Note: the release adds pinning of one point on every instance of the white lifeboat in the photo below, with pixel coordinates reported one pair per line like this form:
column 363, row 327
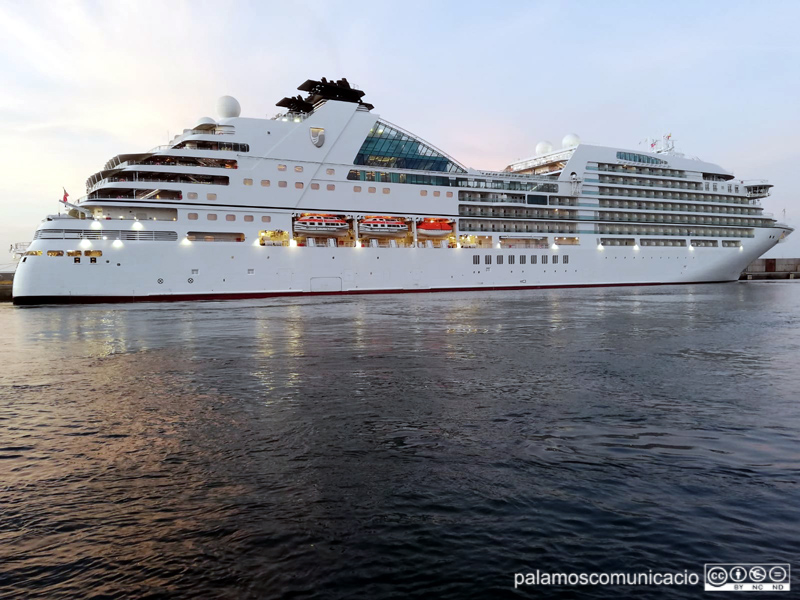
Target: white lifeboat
column 383, row 227
column 322, row 225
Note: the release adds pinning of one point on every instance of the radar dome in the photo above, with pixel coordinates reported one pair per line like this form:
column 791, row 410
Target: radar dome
column 570, row 141
column 205, row 121
column 228, row 107
column 544, row 148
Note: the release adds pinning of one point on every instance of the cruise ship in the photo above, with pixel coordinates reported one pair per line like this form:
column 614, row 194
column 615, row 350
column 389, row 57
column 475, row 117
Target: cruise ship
column 328, row 197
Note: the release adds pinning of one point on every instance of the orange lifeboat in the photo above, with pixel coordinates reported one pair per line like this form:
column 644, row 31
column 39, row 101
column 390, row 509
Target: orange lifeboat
column 321, row 225
column 436, row 228
column 383, row 226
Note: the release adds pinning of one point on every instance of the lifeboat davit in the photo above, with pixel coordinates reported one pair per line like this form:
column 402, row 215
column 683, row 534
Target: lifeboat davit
column 383, row 227
column 435, row 228
column 321, row 225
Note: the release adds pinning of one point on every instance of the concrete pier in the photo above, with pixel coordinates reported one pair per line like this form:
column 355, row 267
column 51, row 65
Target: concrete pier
column 772, row 268
column 6, row 279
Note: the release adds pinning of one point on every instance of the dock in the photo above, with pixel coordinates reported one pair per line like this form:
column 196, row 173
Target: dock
column 6, row 279
column 772, row 268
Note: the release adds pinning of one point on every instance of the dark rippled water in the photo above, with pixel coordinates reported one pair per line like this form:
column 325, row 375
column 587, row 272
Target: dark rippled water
column 415, row 446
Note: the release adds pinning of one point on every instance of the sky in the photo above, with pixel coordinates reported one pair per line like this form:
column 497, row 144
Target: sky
column 81, row 82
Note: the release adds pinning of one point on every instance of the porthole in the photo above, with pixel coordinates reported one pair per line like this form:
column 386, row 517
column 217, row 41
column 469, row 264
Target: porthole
column 160, row 281
column 191, row 279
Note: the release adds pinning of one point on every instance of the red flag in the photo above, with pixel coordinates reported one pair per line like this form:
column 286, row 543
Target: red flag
column 66, row 195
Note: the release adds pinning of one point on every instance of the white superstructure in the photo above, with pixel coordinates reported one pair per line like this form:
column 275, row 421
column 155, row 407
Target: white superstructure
column 241, row 207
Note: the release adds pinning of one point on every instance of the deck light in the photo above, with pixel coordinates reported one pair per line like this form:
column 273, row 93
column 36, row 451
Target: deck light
column 96, row 225
column 137, row 226
column 85, row 244
column 293, row 243
column 117, row 244
column 186, row 242
column 554, row 246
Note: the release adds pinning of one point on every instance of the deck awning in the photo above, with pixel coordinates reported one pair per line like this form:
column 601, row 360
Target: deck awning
column 121, row 158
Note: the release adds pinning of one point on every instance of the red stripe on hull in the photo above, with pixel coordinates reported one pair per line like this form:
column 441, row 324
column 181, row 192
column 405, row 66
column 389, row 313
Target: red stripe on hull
column 38, row 300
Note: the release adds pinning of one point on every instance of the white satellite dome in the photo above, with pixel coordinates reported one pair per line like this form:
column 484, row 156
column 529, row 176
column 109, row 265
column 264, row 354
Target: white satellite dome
column 204, row 121
column 228, row 107
column 570, row 141
column 544, row 148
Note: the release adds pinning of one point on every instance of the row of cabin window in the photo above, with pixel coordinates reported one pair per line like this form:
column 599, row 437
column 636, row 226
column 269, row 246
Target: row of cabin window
column 330, row 187
column 372, row 190
column 298, row 184
column 487, row 259
column 299, row 169
column 282, row 184
column 213, row 217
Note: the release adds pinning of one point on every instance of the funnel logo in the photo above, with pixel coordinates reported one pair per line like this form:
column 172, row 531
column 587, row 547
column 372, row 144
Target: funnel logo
column 748, row 577
column 317, row 136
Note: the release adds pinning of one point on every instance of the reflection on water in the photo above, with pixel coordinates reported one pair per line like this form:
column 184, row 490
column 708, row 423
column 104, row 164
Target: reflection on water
column 396, row 446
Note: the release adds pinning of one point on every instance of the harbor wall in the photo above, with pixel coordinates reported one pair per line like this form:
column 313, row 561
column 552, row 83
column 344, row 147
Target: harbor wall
column 6, row 279
column 773, row 268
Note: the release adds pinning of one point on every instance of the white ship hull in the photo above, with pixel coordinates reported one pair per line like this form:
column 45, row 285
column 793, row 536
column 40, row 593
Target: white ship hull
column 137, row 272
column 217, row 214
